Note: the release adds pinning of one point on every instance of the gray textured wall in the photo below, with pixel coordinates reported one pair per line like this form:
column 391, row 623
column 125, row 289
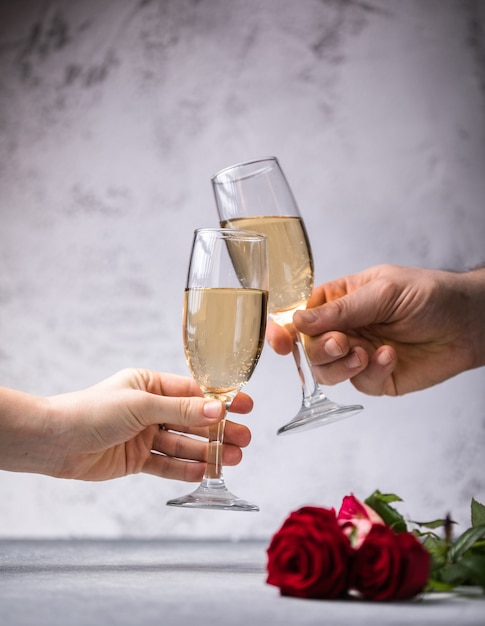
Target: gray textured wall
column 114, row 115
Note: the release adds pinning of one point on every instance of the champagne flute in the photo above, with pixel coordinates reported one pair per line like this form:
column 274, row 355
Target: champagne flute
column 256, row 196
column 224, row 324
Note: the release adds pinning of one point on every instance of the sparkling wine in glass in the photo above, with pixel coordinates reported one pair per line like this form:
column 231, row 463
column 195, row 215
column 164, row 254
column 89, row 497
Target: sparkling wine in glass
column 256, row 196
column 224, row 324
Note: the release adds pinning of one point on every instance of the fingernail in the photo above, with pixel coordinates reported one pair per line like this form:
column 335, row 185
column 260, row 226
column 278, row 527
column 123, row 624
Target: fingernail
column 212, row 409
column 332, row 348
column 353, row 360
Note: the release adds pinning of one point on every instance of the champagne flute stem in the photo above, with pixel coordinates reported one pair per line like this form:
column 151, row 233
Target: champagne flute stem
column 308, row 383
column 214, row 453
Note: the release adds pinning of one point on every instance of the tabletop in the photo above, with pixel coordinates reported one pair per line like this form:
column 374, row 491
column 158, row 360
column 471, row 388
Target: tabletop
column 91, row 582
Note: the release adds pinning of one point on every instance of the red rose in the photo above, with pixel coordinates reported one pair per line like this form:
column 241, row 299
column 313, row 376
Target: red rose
column 309, row 556
column 389, row 565
column 415, row 566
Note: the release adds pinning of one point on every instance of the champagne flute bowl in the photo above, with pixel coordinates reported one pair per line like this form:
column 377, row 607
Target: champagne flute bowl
column 224, row 324
column 256, row 196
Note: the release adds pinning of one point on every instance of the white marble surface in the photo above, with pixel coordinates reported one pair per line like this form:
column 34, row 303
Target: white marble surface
column 113, row 117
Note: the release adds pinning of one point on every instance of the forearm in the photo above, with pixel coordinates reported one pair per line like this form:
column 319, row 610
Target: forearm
column 27, row 439
column 475, row 318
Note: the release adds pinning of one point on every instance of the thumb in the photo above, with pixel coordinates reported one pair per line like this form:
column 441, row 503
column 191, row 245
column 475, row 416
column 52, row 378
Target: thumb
column 186, row 412
column 354, row 310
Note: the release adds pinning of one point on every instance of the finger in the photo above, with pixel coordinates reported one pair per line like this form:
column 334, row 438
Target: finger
column 174, row 469
column 172, row 385
column 166, row 466
column 328, row 347
column 242, row 404
column 342, row 369
column 237, row 434
column 183, row 447
column 179, row 457
column 376, row 379
column 279, row 338
column 157, row 383
column 180, row 446
column 234, row 433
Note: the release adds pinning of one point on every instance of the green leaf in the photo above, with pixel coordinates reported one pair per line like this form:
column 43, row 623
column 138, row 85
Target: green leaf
column 474, row 566
column 478, row 513
column 422, row 534
column 466, row 541
column 470, row 570
column 438, row 551
column 479, row 546
column 380, row 503
column 436, row 546
column 438, row 585
column 438, row 523
column 453, row 574
column 386, row 497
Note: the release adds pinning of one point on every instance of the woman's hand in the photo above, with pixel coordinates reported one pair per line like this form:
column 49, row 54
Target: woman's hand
column 135, row 421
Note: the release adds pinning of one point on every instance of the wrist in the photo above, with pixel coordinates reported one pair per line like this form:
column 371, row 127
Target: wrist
column 25, row 433
column 475, row 319
column 469, row 296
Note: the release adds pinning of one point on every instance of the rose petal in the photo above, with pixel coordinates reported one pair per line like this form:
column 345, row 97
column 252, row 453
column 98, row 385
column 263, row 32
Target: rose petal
column 352, row 508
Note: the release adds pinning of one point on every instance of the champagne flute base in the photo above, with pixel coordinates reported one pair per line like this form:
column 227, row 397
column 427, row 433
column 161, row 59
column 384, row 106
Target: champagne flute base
column 213, row 494
column 319, row 412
